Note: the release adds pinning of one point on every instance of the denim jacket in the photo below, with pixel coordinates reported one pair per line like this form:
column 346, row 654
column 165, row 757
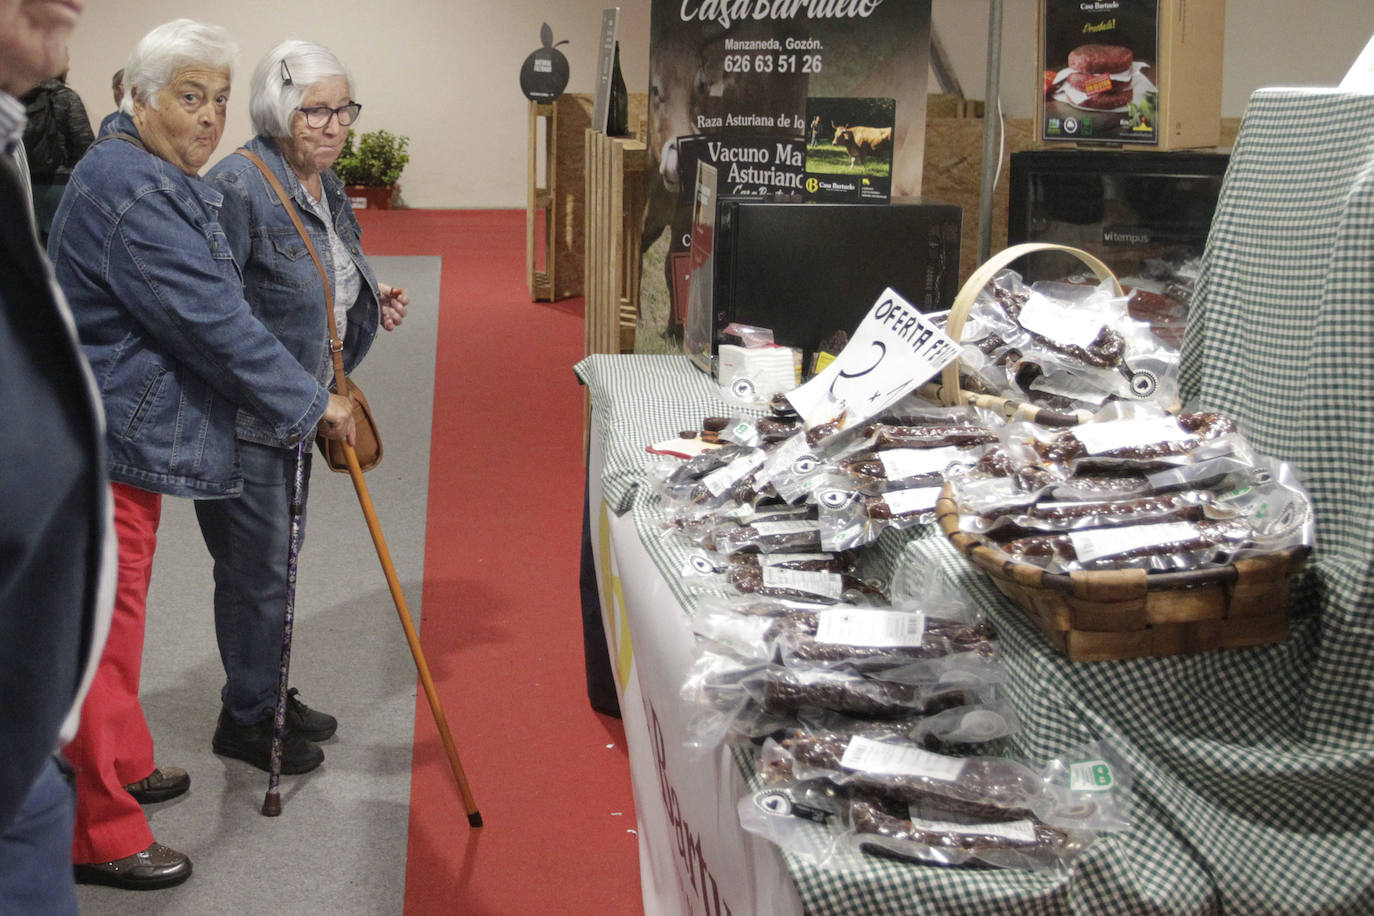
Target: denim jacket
column 158, row 301
column 280, row 279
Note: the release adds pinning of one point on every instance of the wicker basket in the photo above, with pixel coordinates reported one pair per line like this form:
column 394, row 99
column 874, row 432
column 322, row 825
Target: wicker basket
column 948, row 391
column 1127, row 613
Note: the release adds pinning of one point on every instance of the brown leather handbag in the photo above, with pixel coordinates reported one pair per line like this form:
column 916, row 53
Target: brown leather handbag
column 369, row 439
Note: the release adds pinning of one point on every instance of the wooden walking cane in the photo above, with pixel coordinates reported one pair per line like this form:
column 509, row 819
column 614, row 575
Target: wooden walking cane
column 383, row 554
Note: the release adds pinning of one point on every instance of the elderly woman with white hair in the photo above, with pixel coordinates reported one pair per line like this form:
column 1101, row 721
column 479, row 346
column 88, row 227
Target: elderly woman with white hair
column 177, row 353
column 302, row 105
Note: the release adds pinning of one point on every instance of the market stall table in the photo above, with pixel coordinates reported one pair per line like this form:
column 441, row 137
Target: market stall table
column 1205, row 784
column 1253, row 768
column 694, row 857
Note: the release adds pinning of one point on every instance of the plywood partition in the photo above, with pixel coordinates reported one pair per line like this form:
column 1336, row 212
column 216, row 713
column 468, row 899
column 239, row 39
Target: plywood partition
column 954, row 171
column 572, row 117
column 613, row 200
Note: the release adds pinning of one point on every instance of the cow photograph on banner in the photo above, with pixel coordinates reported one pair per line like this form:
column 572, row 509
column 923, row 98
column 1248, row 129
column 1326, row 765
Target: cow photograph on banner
column 787, row 99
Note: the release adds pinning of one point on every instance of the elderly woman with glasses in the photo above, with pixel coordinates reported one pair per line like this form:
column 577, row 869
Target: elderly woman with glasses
column 178, row 354
column 301, row 104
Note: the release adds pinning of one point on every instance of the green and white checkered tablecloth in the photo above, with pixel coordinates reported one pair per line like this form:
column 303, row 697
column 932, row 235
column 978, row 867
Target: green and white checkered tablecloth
column 1283, row 338
column 641, row 400
column 1254, row 768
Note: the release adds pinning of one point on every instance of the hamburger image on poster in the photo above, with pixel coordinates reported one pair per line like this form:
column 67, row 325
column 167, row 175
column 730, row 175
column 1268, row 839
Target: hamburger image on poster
column 1099, row 77
column 1099, row 61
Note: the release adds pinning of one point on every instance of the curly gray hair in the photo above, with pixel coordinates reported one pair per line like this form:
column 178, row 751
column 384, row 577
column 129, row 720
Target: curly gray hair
column 169, row 48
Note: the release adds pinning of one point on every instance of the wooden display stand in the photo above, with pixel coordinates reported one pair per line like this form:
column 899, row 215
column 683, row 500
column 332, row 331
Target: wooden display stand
column 559, row 205
column 541, row 203
column 614, row 201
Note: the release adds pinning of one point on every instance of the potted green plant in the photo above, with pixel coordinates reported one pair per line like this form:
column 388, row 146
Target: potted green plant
column 370, row 168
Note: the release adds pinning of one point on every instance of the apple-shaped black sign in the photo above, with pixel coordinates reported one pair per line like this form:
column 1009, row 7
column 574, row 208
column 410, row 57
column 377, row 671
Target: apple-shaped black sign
column 545, row 73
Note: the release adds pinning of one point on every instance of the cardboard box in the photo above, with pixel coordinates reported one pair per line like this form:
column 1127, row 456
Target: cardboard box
column 1130, row 73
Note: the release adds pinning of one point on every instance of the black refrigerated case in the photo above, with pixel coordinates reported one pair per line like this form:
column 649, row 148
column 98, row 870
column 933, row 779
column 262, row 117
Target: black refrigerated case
column 809, row 270
column 1145, row 213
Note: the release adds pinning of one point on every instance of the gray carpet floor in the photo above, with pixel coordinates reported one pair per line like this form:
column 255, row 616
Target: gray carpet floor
column 339, row 845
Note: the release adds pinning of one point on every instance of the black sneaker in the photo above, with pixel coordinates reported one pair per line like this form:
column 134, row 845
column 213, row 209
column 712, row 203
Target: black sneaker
column 253, row 743
column 311, row 723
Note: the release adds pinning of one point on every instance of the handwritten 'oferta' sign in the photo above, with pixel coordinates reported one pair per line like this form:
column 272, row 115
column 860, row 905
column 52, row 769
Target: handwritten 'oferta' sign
column 894, row 349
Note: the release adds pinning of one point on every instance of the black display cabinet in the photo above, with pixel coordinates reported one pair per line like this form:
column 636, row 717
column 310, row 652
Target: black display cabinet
column 1145, row 213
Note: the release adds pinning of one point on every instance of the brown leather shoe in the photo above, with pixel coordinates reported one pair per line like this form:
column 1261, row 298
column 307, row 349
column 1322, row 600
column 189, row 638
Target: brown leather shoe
column 157, row 866
column 160, row 785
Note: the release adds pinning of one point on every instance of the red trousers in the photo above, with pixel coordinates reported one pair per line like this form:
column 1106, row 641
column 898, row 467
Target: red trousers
column 113, row 747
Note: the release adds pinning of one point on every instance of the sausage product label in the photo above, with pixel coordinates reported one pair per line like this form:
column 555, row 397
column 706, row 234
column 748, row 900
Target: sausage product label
column 794, row 526
column 1095, row 543
column 871, row 627
column 812, row 582
column 1022, row 831
column 900, row 463
column 1113, row 434
column 781, row 559
column 1065, row 325
column 1091, row 776
column 869, row 756
column 913, row 500
column 718, row 482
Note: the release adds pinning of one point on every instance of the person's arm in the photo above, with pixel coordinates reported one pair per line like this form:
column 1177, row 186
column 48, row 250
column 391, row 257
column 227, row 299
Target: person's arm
column 234, row 219
column 233, row 213
column 189, row 299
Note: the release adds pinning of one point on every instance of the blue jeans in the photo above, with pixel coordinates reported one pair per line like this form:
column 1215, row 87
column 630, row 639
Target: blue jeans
column 36, row 849
column 248, row 538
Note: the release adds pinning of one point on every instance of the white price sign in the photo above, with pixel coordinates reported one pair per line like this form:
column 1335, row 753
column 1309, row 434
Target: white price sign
column 1360, row 77
column 894, row 349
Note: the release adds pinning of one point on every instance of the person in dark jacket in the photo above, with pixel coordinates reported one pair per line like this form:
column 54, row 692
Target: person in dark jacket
column 117, row 90
column 158, row 300
column 56, row 544
column 57, row 135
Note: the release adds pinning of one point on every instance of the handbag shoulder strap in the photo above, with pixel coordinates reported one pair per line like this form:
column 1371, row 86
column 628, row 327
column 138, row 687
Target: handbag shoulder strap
column 335, row 344
column 127, row 138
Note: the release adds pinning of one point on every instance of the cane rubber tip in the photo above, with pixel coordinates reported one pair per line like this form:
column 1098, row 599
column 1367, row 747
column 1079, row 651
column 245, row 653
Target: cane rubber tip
column 475, row 819
column 271, row 805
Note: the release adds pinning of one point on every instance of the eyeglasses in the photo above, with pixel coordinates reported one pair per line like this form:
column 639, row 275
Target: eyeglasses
column 319, row 115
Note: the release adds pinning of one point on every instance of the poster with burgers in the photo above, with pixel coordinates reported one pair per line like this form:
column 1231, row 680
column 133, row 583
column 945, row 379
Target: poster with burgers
column 1099, row 69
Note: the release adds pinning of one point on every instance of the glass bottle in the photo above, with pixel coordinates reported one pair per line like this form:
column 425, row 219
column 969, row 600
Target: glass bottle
column 618, row 110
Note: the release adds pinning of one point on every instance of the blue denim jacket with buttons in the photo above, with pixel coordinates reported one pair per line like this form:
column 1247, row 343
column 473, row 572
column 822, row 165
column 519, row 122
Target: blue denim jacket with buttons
column 280, row 279
column 158, row 300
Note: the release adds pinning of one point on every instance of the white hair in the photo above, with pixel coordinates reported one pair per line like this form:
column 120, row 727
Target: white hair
column 273, row 101
column 170, row 48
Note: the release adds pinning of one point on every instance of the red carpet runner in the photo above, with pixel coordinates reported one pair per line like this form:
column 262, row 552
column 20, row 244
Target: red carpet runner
column 501, row 624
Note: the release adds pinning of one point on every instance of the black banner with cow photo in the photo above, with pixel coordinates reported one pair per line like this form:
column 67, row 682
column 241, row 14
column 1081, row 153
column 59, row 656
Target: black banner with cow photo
column 787, row 99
